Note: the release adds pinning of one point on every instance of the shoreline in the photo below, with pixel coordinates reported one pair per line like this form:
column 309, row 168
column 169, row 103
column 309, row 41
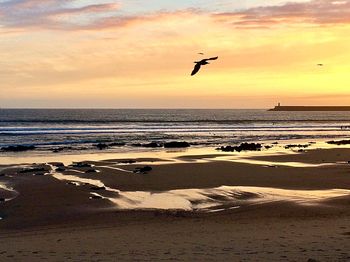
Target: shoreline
column 28, row 157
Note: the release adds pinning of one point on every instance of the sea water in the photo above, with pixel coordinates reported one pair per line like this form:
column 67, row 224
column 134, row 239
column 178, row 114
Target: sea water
column 83, row 128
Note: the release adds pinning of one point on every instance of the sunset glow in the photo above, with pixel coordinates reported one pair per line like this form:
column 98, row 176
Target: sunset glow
column 139, row 54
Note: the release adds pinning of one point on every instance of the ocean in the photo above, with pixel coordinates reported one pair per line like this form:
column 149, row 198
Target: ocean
column 84, row 128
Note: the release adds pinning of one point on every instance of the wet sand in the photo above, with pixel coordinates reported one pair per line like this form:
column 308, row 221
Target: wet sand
column 265, row 213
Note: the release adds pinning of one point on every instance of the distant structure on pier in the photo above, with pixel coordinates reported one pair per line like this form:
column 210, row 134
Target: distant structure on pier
column 309, row 108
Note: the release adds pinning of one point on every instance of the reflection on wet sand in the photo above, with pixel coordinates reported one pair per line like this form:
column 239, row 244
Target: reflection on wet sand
column 220, row 198
column 203, row 200
column 76, row 180
column 272, row 163
column 7, row 193
column 193, row 195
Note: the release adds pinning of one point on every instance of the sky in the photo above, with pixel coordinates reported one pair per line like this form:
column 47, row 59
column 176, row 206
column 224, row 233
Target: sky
column 140, row 53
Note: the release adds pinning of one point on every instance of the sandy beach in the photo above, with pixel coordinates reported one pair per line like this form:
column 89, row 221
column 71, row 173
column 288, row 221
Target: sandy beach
column 220, row 206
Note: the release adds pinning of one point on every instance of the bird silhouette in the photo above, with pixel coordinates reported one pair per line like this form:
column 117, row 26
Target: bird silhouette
column 200, row 63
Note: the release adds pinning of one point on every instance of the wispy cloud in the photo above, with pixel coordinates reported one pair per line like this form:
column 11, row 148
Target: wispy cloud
column 45, row 14
column 319, row 12
column 74, row 15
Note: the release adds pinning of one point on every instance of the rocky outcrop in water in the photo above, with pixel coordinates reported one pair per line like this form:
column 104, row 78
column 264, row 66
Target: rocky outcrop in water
column 241, row 147
column 17, row 148
column 173, row 144
column 152, row 144
column 102, row 146
column 81, row 164
column 176, row 144
column 296, row 146
column 149, row 145
column 339, row 142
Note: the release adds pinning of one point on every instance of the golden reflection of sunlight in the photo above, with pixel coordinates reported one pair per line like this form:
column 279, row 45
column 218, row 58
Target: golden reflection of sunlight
column 221, row 197
column 205, row 200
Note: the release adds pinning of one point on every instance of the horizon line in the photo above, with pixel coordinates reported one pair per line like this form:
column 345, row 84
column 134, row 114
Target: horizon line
column 131, row 108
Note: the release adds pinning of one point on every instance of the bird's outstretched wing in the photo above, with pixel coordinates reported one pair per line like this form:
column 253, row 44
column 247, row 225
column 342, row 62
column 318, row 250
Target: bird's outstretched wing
column 196, row 69
column 213, row 58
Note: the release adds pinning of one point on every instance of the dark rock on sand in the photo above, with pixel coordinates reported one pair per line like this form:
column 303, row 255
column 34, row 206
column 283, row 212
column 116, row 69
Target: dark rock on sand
column 176, row 144
column 56, row 164
column 81, row 164
column 17, row 148
column 143, row 170
column 96, row 188
column 241, row 147
column 152, row 144
column 268, row 147
column 339, row 142
column 296, row 145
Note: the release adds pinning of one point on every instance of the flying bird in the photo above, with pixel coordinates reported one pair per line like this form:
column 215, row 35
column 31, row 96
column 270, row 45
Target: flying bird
column 200, row 63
